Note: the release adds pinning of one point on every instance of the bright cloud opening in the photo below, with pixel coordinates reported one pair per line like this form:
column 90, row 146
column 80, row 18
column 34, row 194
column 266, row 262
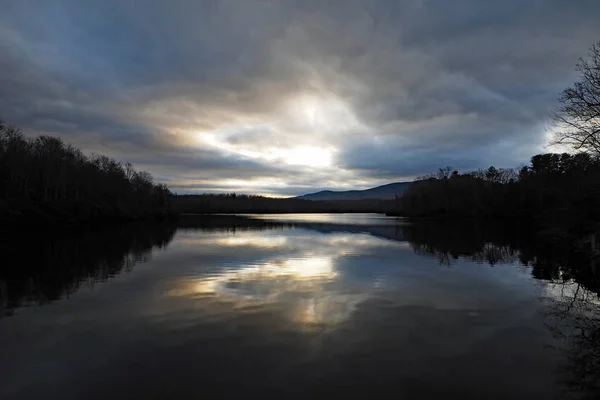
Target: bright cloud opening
column 305, row 155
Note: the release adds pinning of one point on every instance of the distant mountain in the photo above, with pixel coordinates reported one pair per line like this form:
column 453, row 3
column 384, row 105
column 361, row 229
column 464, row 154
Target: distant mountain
column 385, row 192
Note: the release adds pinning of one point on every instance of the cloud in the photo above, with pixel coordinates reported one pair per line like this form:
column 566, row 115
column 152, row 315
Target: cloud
column 219, row 94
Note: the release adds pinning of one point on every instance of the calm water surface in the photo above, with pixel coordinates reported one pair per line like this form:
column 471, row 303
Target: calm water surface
column 296, row 305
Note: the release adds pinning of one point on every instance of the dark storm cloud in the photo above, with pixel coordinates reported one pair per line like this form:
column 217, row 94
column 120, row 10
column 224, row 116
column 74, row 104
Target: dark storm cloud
column 205, row 94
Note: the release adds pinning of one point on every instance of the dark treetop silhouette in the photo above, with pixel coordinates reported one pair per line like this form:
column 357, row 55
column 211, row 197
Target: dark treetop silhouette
column 558, row 191
column 44, row 179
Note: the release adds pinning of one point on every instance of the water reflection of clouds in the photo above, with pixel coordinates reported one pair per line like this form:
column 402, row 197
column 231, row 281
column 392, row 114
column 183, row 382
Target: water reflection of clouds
column 340, row 242
column 306, row 288
column 316, row 277
column 249, row 281
column 299, row 272
column 352, row 219
column 238, row 239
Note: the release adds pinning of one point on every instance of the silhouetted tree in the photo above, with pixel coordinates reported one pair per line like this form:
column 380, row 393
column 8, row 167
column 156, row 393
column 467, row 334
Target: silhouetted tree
column 578, row 117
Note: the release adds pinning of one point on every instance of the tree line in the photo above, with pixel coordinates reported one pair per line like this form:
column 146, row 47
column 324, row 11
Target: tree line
column 46, row 178
column 561, row 191
column 247, row 204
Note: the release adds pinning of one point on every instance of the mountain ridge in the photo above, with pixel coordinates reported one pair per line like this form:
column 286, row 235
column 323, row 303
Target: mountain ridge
column 384, row 192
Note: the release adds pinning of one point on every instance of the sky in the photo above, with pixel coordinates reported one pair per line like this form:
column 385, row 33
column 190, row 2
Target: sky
column 287, row 97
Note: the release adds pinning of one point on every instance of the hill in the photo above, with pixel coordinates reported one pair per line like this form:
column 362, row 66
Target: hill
column 384, row 192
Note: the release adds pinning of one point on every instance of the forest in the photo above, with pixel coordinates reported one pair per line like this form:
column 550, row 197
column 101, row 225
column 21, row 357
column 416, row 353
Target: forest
column 560, row 192
column 43, row 179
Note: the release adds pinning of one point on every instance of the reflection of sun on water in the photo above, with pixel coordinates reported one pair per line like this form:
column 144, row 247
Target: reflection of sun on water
column 295, row 269
column 300, row 279
column 254, row 240
column 326, row 310
column 301, row 284
column 302, row 268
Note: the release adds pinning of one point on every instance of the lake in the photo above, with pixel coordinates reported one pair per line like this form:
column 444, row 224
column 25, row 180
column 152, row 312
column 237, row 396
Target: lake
column 306, row 306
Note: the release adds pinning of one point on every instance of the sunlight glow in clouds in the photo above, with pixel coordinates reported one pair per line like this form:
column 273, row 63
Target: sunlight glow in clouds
column 323, row 113
column 305, row 155
column 311, row 156
column 305, row 131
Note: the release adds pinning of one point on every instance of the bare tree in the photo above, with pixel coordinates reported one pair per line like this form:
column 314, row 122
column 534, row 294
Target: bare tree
column 444, row 173
column 578, row 117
